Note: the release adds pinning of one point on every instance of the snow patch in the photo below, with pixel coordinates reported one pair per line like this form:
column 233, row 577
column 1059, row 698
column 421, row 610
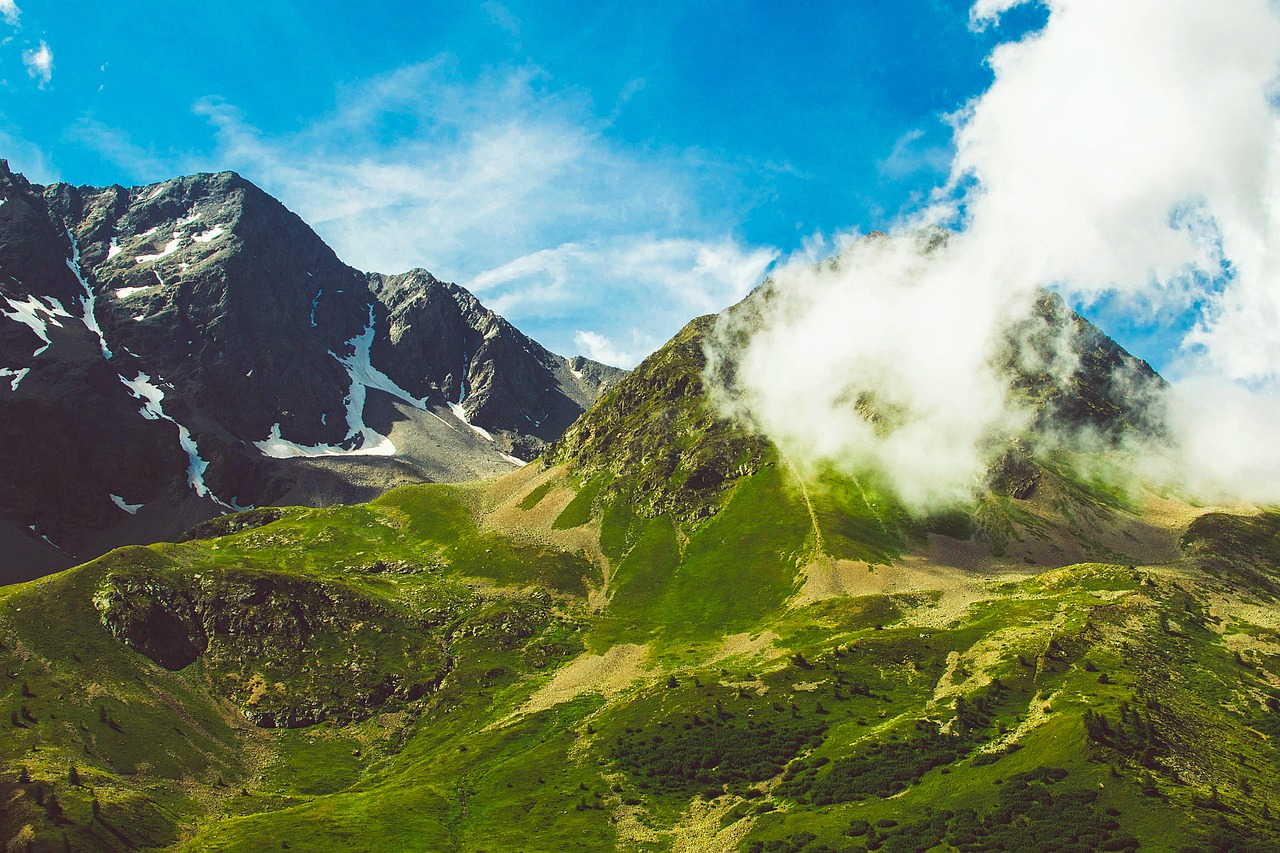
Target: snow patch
column 152, row 398
column 153, row 229
column 89, row 301
column 17, row 375
column 186, row 220
column 276, row 447
column 212, row 234
column 126, row 292
column 315, row 302
column 461, row 414
column 364, row 376
column 169, row 249
column 113, row 249
column 519, row 463
column 29, row 313
column 132, row 509
column 150, row 394
column 156, row 192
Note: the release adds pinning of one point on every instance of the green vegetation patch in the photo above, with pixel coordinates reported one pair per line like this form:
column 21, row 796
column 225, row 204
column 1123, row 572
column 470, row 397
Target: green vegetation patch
column 694, row 754
column 1035, row 812
column 535, row 497
column 578, row 512
column 859, row 519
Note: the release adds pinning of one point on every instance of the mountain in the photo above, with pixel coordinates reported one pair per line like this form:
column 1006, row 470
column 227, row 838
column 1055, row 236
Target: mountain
column 664, row 636
column 175, row 351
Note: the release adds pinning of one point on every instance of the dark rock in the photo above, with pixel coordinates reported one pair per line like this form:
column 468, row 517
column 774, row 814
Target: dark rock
column 239, row 315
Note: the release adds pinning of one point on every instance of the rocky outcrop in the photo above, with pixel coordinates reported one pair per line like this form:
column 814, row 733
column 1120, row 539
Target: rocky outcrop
column 287, row 651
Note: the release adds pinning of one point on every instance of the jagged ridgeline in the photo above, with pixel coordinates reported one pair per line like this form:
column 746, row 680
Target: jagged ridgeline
column 174, row 351
column 664, row 637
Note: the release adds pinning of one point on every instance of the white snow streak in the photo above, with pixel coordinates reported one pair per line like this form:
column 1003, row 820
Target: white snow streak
column 152, row 409
column 212, row 234
column 461, row 414
column 113, row 249
column 132, row 509
column 126, row 292
column 363, row 377
column 89, row 301
column 169, row 249
column 281, row 448
column 29, row 313
column 16, row 374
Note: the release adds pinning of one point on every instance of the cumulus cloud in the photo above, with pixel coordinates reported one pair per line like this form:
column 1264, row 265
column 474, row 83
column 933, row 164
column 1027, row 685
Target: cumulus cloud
column 39, row 62
column 1127, row 151
column 10, row 12
column 475, row 179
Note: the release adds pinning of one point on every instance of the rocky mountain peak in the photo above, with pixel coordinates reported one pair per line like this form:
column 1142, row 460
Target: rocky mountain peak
column 215, row 333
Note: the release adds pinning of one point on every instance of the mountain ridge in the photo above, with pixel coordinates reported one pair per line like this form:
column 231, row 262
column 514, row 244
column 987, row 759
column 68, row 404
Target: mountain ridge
column 249, row 347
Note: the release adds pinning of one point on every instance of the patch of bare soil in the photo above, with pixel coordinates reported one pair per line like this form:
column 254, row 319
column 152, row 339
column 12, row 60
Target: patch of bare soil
column 500, row 512
column 960, row 572
column 699, row 829
column 745, row 645
column 609, row 674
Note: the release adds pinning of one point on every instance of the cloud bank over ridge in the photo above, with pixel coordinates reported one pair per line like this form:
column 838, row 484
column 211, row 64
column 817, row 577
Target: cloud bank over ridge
column 1128, row 152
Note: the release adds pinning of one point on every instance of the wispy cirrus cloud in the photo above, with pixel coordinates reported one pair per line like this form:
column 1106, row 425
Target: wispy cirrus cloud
column 626, row 295
column 117, row 146
column 10, row 12
column 25, row 156
column 510, row 186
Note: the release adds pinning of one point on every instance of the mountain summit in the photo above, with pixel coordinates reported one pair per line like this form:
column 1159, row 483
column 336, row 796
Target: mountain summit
column 179, row 350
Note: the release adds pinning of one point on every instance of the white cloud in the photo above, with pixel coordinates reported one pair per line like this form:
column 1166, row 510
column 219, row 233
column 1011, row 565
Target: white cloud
column 39, row 62
column 640, row 288
column 1128, row 151
column 475, row 180
column 502, row 17
column 118, row 147
column 984, row 12
column 25, row 156
column 909, row 157
column 10, row 12
column 603, row 350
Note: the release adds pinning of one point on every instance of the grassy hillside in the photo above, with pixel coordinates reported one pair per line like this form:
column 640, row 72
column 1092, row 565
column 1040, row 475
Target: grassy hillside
column 805, row 670
column 665, row 636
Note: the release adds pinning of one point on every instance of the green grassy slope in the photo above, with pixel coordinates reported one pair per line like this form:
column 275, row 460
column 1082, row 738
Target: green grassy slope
column 671, row 640
column 1136, row 704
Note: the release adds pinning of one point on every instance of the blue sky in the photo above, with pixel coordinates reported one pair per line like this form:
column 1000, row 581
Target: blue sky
column 598, row 172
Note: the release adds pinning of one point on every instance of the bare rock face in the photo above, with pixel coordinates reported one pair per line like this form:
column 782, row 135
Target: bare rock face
column 442, row 341
column 277, row 646
column 174, row 351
